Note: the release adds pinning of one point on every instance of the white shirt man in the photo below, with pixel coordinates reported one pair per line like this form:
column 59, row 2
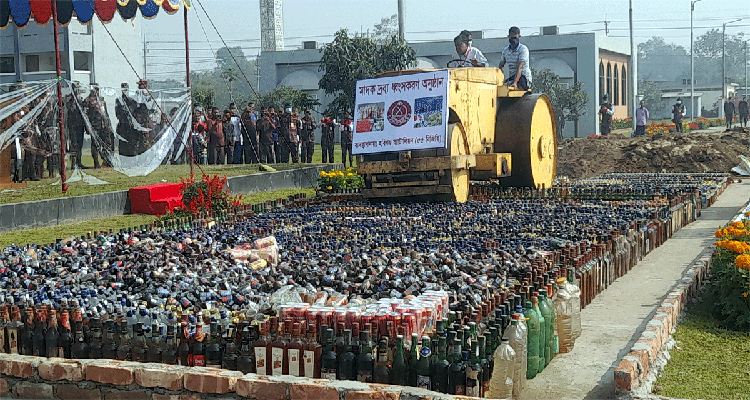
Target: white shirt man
column 467, row 56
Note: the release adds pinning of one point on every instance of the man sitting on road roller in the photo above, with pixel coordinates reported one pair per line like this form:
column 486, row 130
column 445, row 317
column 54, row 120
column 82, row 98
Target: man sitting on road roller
column 516, row 55
column 467, row 56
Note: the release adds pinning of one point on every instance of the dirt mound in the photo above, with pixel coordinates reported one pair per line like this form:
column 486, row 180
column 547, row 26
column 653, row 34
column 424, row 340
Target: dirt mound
column 705, row 151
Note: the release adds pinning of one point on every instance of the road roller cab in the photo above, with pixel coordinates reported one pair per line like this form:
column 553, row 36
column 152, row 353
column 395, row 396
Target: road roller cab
column 426, row 134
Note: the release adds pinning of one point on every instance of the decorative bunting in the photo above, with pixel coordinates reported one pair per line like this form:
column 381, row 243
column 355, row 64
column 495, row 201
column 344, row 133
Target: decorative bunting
column 64, row 11
column 84, row 10
column 4, row 12
column 149, row 9
column 41, row 10
column 105, row 9
column 21, row 11
column 128, row 9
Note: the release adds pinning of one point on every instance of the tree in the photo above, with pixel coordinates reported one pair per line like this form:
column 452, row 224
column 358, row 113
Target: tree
column 285, row 96
column 662, row 61
column 651, row 93
column 568, row 101
column 350, row 58
column 708, row 56
column 229, row 75
column 386, row 28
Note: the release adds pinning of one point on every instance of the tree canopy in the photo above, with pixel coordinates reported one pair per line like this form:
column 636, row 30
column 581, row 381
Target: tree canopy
column 568, row 101
column 350, row 58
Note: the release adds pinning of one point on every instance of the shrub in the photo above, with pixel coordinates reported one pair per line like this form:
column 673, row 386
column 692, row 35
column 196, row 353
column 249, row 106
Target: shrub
column 210, row 194
column 623, row 123
column 730, row 276
column 335, row 180
column 702, row 122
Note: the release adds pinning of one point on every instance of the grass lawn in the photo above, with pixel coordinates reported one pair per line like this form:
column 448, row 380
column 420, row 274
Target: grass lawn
column 50, row 234
column 47, row 189
column 708, row 362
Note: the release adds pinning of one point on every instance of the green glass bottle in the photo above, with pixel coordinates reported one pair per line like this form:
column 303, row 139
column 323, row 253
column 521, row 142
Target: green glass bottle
column 474, row 373
column 423, row 366
column 485, row 364
column 400, row 369
column 365, row 361
column 542, row 345
column 457, row 372
column 532, row 367
column 413, row 360
column 440, row 368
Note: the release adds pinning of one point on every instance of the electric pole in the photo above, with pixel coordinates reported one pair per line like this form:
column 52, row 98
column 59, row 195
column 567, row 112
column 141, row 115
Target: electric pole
column 401, row 19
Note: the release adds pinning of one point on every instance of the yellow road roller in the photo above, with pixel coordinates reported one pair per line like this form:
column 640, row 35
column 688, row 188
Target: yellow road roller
column 427, row 134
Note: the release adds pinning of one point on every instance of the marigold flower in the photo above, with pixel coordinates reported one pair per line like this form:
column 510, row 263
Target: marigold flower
column 743, row 261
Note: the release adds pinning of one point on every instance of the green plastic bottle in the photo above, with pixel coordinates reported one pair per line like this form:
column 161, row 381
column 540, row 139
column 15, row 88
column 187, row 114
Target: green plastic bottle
column 532, row 367
column 549, row 319
column 542, row 344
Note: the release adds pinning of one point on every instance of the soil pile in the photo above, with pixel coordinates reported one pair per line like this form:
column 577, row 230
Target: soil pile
column 704, row 151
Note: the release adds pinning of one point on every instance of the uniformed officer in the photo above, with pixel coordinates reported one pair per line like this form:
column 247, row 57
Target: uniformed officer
column 346, row 140
column 76, row 127
column 308, row 137
column 326, row 139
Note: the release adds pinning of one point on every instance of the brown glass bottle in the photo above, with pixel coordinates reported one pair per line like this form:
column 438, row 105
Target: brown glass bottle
column 312, row 354
column 294, row 352
column 262, row 350
column 279, row 360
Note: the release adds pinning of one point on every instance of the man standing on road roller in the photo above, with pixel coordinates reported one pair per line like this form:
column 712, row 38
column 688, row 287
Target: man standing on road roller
column 516, row 55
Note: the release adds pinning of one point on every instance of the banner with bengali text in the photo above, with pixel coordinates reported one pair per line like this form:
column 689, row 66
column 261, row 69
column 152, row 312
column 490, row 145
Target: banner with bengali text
column 404, row 112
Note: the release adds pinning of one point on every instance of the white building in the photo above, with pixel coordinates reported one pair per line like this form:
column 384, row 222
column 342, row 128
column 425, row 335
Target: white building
column 87, row 53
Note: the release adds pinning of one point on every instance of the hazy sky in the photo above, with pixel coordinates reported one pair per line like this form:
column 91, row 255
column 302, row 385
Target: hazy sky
column 238, row 22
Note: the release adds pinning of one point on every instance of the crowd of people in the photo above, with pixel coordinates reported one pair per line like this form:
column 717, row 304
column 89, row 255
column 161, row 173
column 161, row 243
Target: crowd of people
column 273, row 135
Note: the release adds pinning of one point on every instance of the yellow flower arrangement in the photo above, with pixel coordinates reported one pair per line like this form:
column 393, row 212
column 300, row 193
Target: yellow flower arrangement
column 743, row 262
column 734, row 245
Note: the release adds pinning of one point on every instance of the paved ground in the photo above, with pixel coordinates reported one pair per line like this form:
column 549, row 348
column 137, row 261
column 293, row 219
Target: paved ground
column 613, row 321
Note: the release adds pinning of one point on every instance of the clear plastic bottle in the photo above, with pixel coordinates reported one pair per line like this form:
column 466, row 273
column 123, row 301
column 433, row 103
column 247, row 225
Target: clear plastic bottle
column 568, row 313
column 517, row 339
column 501, row 382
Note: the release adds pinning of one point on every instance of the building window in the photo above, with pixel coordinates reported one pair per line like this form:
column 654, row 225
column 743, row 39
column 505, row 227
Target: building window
column 616, row 96
column 609, row 79
column 624, row 86
column 601, row 79
column 7, row 65
column 81, row 61
column 32, row 63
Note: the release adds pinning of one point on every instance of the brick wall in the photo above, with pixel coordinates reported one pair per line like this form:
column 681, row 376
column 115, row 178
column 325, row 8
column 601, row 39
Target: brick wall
column 30, row 377
column 641, row 364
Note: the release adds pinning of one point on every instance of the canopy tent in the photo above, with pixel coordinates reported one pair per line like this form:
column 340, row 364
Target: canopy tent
column 61, row 12
column 21, row 11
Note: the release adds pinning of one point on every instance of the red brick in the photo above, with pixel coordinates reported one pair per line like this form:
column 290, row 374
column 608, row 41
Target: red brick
column 28, row 390
column 157, row 396
column 627, row 374
column 56, row 369
column 4, row 390
column 18, row 366
column 313, row 390
column 643, row 356
column 73, row 392
column 160, row 377
column 257, row 388
column 110, row 372
column 371, row 395
column 127, row 395
column 210, row 380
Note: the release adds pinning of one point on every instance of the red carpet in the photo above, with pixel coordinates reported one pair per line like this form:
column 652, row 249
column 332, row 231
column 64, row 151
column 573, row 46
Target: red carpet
column 155, row 199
